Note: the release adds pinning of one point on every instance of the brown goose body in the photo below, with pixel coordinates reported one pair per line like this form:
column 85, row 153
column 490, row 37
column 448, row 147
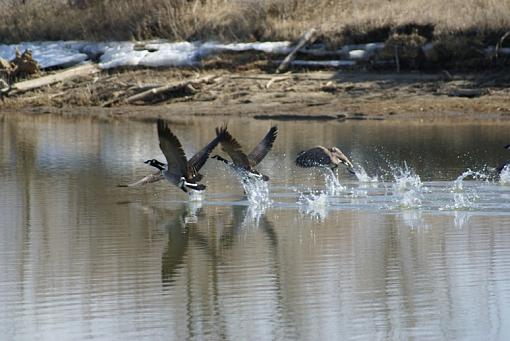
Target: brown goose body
column 323, row 157
column 243, row 161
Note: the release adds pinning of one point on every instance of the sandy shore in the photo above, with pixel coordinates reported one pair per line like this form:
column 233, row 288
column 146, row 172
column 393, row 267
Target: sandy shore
column 318, row 95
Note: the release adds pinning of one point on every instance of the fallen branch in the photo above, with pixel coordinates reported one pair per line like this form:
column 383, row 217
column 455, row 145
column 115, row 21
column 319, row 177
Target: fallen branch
column 306, row 39
column 324, row 63
column 145, row 95
column 277, row 79
column 79, row 71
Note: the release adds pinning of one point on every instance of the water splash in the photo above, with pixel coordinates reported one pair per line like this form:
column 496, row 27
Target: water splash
column 408, row 187
column 194, row 196
column 256, row 190
column 333, row 185
column 315, row 205
column 458, row 185
column 462, row 198
column 362, row 176
column 504, row 176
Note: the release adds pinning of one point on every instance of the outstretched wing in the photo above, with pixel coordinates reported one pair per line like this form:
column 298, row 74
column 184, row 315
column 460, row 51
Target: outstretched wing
column 172, row 149
column 198, row 160
column 155, row 177
column 317, row 156
column 260, row 151
column 233, row 149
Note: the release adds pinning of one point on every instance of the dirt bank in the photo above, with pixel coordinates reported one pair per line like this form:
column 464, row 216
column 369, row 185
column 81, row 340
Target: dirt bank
column 321, row 95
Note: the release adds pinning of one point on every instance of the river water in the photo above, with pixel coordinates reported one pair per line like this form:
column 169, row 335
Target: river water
column 415, row 246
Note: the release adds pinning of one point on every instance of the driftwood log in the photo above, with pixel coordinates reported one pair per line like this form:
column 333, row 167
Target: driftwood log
column 181, row 85
column 306, row 39
column 75, row 72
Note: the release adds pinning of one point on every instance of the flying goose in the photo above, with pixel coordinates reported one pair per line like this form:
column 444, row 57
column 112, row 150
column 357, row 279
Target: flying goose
column 239, row 159
column 323, row 157
column 154, row 177
column 505, row 164
column 179, row 171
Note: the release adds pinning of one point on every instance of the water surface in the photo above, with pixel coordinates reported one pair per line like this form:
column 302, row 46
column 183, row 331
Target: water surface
column 419, row 247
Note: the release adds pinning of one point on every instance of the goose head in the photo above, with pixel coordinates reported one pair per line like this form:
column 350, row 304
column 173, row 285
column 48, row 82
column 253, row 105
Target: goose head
column 155, row 163
column 343, row 159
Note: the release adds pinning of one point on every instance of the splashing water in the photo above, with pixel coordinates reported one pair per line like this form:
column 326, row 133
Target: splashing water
column 315, row 205
column 463, row 199
column 504, row 176
column 408, row 187
column 195, row 196
column 458, row 183
column 333, row 186
column 362, row 176
column 257, row 191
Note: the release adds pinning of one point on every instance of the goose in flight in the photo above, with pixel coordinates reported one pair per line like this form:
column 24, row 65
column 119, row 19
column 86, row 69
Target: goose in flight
column 154, row 177
column 323, row 157
column 178, row 170
column 239, row 159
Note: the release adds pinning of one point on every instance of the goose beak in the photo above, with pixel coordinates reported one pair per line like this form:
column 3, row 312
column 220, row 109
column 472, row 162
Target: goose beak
column 350, row 166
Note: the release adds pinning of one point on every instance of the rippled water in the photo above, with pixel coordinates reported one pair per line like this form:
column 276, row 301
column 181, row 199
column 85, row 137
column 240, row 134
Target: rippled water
column 416, row 245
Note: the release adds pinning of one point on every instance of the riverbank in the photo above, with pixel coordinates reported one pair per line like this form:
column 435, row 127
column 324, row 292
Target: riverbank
column 317, row 95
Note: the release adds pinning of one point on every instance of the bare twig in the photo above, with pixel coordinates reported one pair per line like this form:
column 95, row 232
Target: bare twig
column 500, row 43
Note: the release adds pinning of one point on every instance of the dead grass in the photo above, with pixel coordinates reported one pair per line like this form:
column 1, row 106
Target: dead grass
column 342, row 21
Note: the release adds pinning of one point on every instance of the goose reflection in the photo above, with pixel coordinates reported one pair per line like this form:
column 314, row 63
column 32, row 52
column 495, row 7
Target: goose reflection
column 182, row 230
column 218, row 235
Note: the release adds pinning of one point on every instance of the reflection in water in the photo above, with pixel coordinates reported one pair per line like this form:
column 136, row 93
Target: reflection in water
column 82, row 259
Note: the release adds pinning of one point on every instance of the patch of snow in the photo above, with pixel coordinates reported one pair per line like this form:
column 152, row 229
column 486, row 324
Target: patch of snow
column 117, row 54
column 358, row 54
column 279, row 47
column 47, row 54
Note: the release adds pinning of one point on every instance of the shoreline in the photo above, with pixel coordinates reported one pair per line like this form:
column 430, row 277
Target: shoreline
column 314, row 95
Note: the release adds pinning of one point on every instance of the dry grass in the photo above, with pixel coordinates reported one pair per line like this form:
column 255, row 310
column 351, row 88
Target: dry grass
column 342, row 21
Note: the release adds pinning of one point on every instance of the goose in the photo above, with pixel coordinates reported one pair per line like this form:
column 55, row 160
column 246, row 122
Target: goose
column 505, row 164
column 323, row 157
column 239, row 159
column 151, row 178
column 178, row 170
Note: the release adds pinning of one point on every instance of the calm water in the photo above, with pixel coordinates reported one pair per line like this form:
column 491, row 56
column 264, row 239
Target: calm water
column 418, row 248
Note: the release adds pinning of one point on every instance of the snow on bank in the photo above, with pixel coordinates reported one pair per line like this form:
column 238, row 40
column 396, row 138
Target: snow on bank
column 118, row 54
column 47, row 54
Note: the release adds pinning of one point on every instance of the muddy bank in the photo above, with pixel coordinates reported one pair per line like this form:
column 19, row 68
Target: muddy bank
column 320, row 95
